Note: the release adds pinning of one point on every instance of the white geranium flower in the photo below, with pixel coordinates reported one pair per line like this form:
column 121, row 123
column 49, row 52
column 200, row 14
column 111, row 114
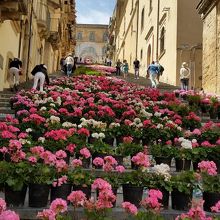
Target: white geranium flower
column 159, row 126
column 43, row 108
column 54, row 119
column 157, row 114
column 101, row 135
column 68, row 125
column 28, row 130
column 41, row 139
column 194, row 141
column 95, row 135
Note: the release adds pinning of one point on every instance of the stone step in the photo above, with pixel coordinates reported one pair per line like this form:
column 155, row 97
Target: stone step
column 117, row 213
column 2, row 116
column 4, row 104
column 5, row 110
column 6, row 95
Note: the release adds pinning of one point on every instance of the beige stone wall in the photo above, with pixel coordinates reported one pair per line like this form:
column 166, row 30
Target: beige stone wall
column 209, row 52
column 172, row 14
column 87, row 49
column 8, row 49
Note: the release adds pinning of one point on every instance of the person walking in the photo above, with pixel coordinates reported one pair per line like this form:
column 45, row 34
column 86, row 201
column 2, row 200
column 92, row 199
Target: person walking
column 125, row 68
column 136, row 64
column 184, row 76
column 69, row 64
column 14, row 71
column 62, row 64
column 160, row 69
column 153, row 72
column 40, row 75
column 118, row 68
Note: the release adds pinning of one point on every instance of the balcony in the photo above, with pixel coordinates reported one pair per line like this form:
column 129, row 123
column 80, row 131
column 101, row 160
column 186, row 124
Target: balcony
column 13, row 9
column 43, row 18
column 54, row 32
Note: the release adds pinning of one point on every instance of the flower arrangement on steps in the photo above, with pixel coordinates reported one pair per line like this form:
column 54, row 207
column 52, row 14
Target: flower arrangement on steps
column 59, row 123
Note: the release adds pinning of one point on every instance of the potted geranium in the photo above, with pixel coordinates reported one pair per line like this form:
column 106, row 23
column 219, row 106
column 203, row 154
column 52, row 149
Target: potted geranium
column 14, row 178
column 81, row 179
column 210, row 184
column 128, row 147
column 162, row 153
column 182, row 189
column 160, row 179
column 183, row 154
column 214, row 103
column 41, row 177
column 133, row 185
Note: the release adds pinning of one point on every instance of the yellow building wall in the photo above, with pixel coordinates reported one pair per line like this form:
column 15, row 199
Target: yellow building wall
column 8, row 49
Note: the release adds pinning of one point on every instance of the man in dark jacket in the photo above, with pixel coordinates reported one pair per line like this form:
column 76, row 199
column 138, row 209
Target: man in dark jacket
column 40, row 74
column 14, row 70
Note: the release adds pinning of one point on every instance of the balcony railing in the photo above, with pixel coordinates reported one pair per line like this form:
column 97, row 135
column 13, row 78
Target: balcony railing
column 13, row 9
column 54, row 32
column 43, row 17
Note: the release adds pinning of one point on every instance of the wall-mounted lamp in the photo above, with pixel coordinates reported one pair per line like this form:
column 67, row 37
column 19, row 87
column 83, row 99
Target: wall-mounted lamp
column 166, row 9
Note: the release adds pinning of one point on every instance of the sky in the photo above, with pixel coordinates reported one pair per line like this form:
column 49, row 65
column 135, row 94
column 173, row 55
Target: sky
column 94, row 11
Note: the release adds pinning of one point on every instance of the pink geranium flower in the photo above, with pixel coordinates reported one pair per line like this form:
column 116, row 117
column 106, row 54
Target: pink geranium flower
column 59, row 206
column 98, row 161
column 141, row 159
column 130, row 208
column 85, row 152
column 9, row 215
column 77, row 198
column 209, row 167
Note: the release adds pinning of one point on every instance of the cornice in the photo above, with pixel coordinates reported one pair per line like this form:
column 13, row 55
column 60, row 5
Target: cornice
column 205, row 6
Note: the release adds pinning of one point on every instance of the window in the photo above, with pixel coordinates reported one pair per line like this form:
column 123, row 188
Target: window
column 105, row 37
column 162, row 39
column 141, row 55
column 79, row 36
column 132, row 5
column 149, row 55
column 103, row 51
column 91, row 49
column 142, row 19
column 92, row 36
column 150, row 6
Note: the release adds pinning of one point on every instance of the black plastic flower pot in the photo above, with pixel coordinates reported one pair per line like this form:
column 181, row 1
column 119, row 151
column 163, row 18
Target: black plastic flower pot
column 195, row 165
column 38, row 195
column 60, row 191
column 132, row 194
column 165, row 160
column 180, row 200
column 85, row 189
column 109, row 140
column 182, row 165
column 119, row 159
column 210, row 199
column 165, row 199
column 15, row 198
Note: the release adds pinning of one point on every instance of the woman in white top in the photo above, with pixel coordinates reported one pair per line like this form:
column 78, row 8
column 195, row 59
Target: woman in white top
column 184, row 76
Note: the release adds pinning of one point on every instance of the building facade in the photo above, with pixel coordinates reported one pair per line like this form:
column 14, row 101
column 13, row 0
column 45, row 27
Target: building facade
column 158, row 30
column 210, row 14
column 91, row 41
column 35, row 31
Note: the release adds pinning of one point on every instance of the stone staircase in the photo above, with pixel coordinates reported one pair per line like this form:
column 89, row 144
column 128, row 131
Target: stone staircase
column 5, row 107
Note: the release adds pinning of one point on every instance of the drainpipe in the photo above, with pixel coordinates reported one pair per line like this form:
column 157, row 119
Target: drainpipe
column 19, row 46
column 158, row 18
column 137, row 28
column 29, row 41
